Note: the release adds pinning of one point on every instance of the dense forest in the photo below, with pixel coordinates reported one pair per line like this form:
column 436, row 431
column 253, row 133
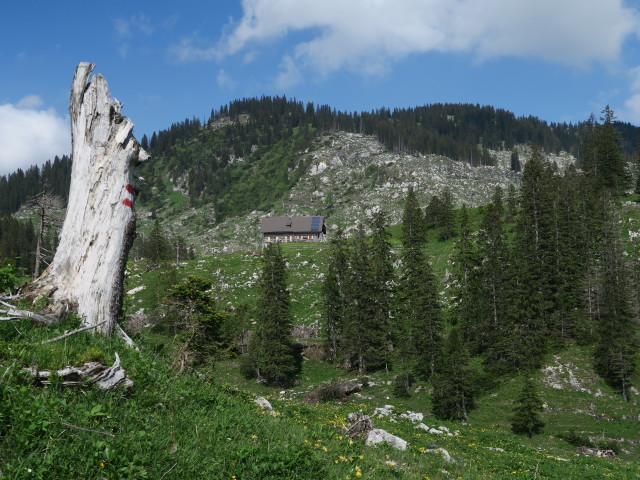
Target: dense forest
column 250, row 153
column 548, row 270
column 257, row 146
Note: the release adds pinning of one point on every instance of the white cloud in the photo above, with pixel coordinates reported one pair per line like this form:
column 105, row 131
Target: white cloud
column 224, row 80
column 369, row 35
column 29, row 136
column 127, row 27
column 289, row 73
column 30, row 102
column 631, row 111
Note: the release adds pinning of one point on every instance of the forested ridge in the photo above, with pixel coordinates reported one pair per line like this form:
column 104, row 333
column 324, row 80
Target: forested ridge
column 250, row 153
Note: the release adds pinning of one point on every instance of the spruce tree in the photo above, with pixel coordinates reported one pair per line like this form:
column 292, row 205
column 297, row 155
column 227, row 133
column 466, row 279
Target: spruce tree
column 272, row 355
column 190, row 312
column 418, row 317
column 487, row 327
column 413, row 225
column 602, row 157
column 533, row 258
column 383, row 279
column 447, row 217
column 363, row 339
column 525, row 417
column 334, row 296
column 453, row 385
column 156, row 247
column 466, row 262
column 512, row 202
column 617, row 343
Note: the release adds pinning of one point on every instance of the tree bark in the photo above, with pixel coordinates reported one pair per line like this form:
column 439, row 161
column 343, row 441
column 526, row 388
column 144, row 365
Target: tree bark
column 87, row 272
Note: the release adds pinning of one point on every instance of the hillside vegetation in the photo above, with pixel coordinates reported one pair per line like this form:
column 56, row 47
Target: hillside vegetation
column 482, row 306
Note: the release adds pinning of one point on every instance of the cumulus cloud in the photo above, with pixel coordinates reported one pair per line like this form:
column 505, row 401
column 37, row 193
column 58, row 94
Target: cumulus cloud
column 29, row 136
column 224, row 80
column 127, row 27
column 30, row 101
column 631, row 112
column 368, row 35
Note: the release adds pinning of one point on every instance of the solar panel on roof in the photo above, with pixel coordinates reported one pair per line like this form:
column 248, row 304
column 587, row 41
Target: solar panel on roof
column 315, row 223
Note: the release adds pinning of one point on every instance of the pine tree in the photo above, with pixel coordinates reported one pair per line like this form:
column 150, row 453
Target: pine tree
column 617, row 341
column 382, row 273
column 487, row 325
column 272, row 354
column 447, row 217
column 362, row 338
column 602, row 158
column 413, row 225
column 418, row 318
column 192, row 314
column 156, row 247
column 533, row 260
column 466, row 263
column 334, row 296
column 525, row 417
column 453, row 385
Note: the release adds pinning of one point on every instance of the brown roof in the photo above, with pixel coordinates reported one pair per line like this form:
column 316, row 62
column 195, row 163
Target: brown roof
column 292, row 225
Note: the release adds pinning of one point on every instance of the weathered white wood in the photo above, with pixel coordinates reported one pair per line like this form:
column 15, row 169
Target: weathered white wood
column 106, row 378
column 87, row 272
column 13, row 313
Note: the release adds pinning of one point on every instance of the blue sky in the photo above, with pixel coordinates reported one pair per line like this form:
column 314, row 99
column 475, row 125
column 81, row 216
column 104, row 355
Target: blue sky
column 559, row 60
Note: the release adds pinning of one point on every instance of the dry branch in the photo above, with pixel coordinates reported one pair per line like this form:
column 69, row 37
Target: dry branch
column 13, row 312
column 72, row 332
column 86, row 429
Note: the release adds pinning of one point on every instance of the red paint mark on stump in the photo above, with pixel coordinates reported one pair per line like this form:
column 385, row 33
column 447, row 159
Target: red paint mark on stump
column 127, row 202
column 130, row 189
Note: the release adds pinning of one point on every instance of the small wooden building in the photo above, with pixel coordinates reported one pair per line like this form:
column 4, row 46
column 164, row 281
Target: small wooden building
column 293, row 229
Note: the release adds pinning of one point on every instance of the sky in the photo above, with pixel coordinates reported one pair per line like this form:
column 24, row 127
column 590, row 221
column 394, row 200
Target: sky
column 558, row 60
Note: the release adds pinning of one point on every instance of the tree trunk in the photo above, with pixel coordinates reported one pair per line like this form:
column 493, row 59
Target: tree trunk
column 87, row 272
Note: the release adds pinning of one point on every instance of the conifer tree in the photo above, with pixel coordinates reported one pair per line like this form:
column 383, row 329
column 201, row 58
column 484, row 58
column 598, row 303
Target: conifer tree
column 512, row 202
column 363, row 338
column 447, row 217
column 413, row 225
column 617, row 343
column 334, row 295
column 570, row 265
column 272, row 354
column 466, row 262
column 382, row 273
column 418, row 318
column 533, row 262
column 488, row 325
column 191, row 312
column 602, row 157
column 156, row 247
column 525, row 417
column 453, row 385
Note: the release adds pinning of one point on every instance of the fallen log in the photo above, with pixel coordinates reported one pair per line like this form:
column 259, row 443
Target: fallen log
column 89, row 373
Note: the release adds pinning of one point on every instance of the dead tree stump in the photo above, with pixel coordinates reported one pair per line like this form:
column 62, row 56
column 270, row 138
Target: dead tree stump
column 87, row 272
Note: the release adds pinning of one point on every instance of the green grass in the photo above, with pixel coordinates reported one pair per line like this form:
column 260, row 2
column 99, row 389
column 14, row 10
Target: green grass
column 205, row 424
column 190, row 426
